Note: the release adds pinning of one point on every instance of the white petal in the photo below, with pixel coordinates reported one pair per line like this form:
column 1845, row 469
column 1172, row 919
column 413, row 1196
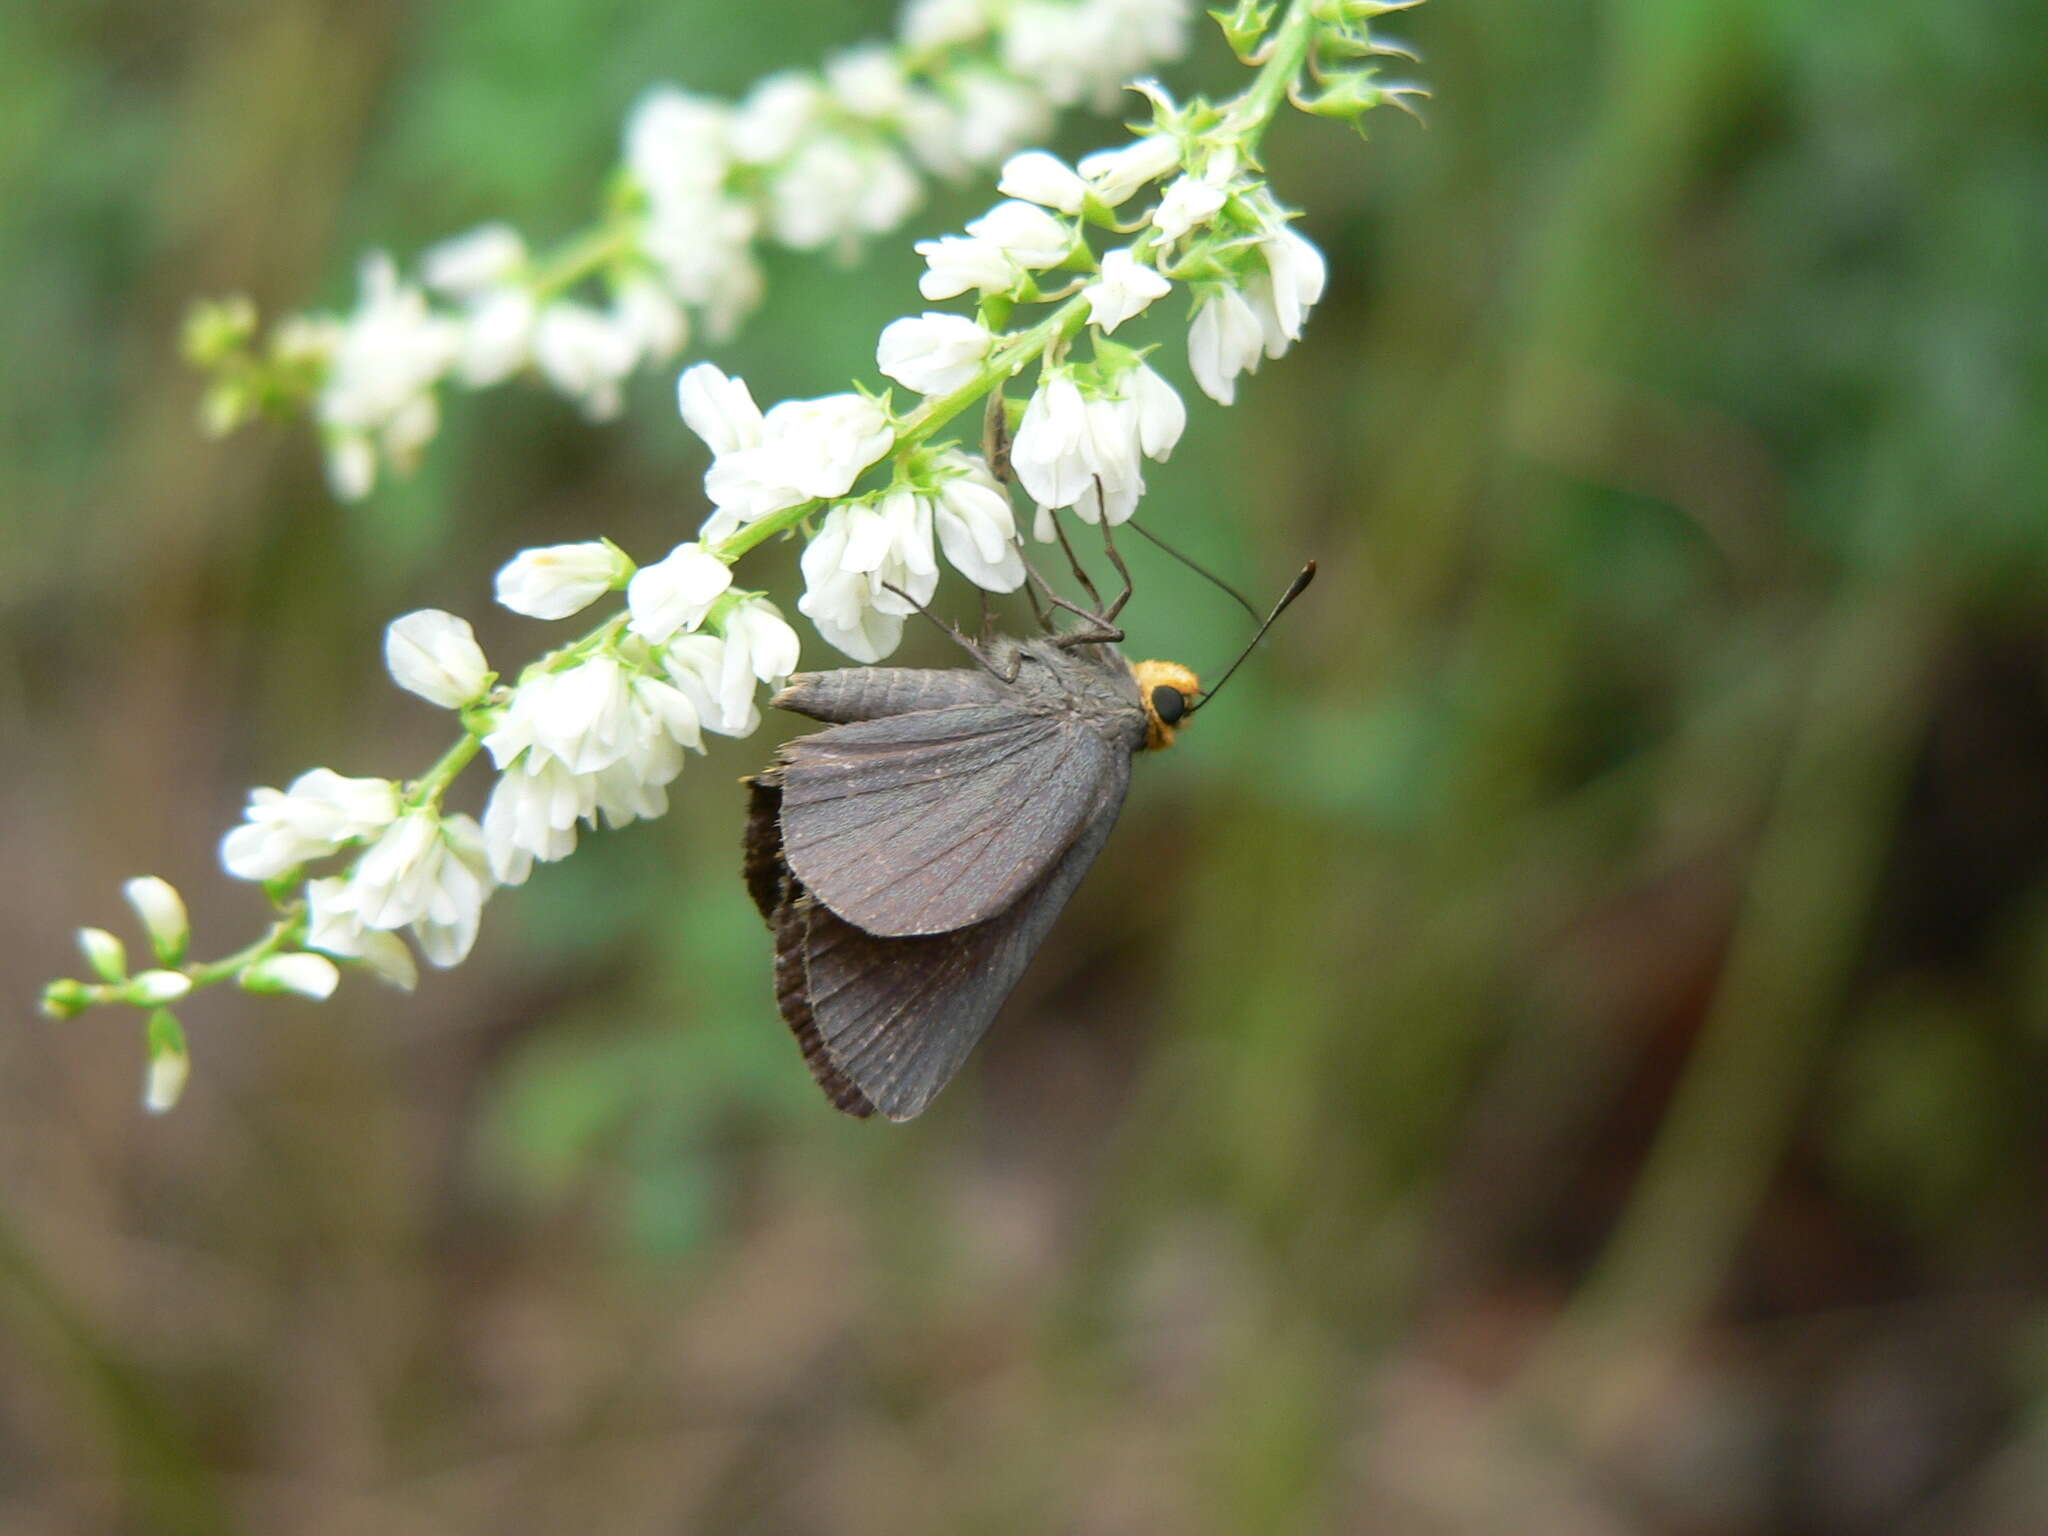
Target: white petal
column 676, row 592
column 1038, row 177
column 718, row 409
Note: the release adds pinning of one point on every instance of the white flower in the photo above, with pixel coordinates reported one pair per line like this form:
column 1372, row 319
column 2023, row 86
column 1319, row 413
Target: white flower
column 1038, row 177
column 775, row 116
column 976, row 527
column 1283, row 294
column 585, row 354
column 892, row 546
column 393, row 882
column 696, row 665
column 1089, row 50
column 1059, row 46
column 997, row 114
column 426, row 871
column 1085, row 450
column 579, row 715
column 809, row 449
column 956, row 263
column 719, row 410
column 1224, row 340
column 382, row 368
column 1024, row 232
column 435, row 655
column 161, row 911
column 998, row 248
column 703, row 246
column 532, row 814
column 466, row 266
column 933, row 353
column 497, row 337
column 308, row 975
column 1189, row 201
column 676, row 592
column 647, row 314
column 321, row 811
column 676, row 145
column 446, row 931
column 844, row 567
column 930, row 24
column 333, row 928
column 1046, row 453
column 933, row 130
column 833, row 188
column 559, row 579
column 759, row 647
column 867, row 81
column 1126, row 288
column 1114, row 174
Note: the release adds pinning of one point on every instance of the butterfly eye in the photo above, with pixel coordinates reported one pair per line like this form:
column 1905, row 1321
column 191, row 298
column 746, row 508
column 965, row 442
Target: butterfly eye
column 1169, row 704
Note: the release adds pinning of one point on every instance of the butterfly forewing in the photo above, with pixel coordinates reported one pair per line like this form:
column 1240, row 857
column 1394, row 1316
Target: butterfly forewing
column 934, row 821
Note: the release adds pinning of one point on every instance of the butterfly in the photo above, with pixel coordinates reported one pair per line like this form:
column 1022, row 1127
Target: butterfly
column 910, row 859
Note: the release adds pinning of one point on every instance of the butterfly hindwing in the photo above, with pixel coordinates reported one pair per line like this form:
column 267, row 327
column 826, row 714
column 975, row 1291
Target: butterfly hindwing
column 883, row 1022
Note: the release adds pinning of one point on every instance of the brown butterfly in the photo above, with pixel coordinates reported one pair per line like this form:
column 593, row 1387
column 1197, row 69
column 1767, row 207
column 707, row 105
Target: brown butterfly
column 910, row 859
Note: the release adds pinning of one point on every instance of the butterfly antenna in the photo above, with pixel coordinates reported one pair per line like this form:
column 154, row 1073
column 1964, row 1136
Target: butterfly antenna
column 1298, row 586
column 1208, row 575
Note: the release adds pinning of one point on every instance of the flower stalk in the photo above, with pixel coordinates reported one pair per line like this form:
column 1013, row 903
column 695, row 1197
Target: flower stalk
column 598, row 727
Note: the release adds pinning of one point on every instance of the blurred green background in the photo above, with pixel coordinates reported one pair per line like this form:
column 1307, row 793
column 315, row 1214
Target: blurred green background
column 1560, row 1050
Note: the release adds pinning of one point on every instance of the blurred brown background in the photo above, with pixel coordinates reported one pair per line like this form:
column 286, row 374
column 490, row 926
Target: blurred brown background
column 1560, row 1050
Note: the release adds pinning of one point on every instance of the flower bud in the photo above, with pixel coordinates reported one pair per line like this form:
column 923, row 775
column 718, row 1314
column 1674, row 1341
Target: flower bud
column 161, row 911
column 308, row 975
column 933, row 353
column 170, row 1064
column 1114, row 174
column 104, row 953
column 65, row 999
column 561, row 579
column 435, row 655
column 153, row 987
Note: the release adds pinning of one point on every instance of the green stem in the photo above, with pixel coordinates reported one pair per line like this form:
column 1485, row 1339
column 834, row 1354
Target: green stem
column 583, row 257
column 435, row 781
column 282, row 935
column 1287, row 51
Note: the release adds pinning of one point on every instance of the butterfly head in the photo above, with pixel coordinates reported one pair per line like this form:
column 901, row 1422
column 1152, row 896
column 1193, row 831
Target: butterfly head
column 1168, row 690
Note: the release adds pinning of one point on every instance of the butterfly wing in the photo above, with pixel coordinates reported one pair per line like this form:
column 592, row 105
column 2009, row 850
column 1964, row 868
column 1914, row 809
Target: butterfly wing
column 885, row 1022
column 930, row 822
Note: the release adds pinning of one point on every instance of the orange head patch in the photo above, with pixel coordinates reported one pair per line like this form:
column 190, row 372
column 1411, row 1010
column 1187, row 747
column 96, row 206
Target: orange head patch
column 1167, row 688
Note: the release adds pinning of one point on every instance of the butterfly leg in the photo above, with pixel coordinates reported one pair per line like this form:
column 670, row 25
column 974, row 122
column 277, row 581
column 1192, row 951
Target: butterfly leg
column 951, row 632
column 1115, row 559
column 1099, row 631
column 1074, row 564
